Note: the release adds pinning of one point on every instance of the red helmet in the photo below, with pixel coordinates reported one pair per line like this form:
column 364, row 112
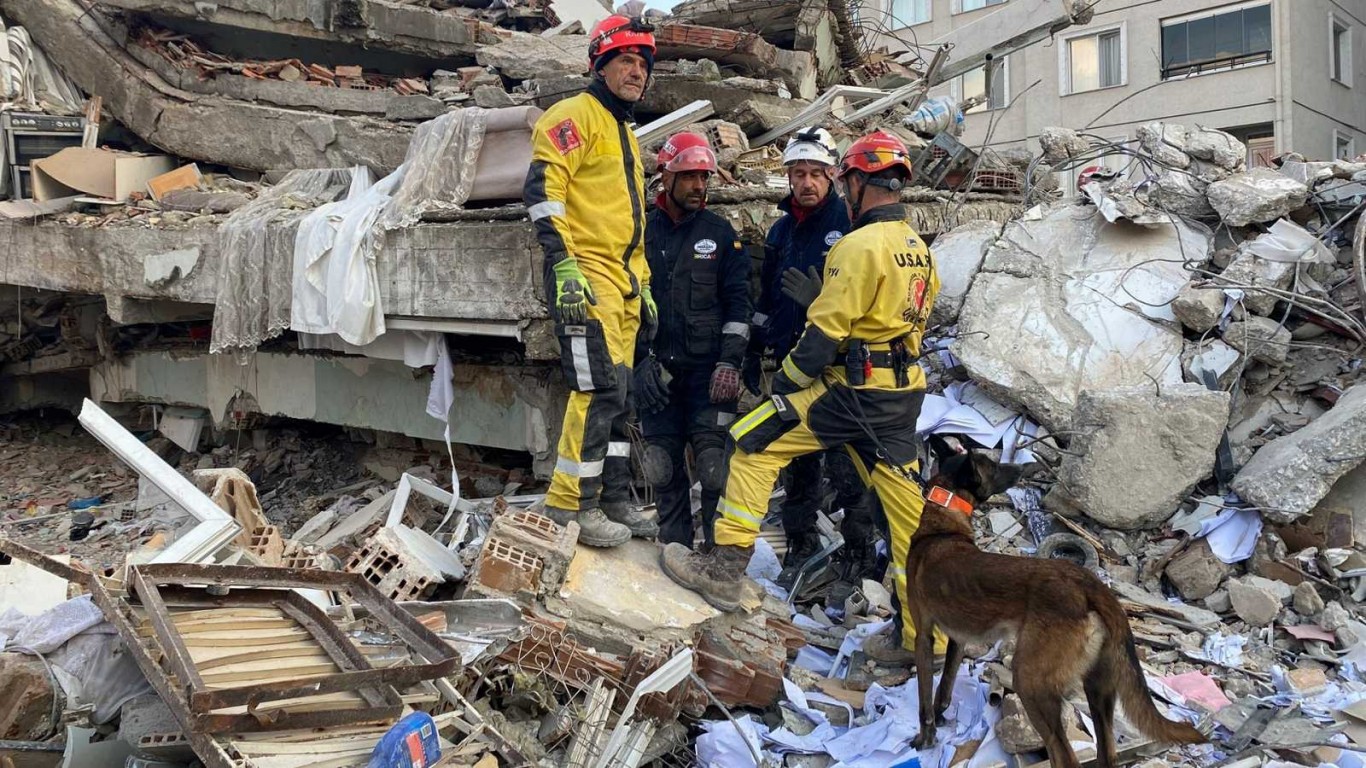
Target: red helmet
column 875, row 152
column 618, row 32
column 686, row 152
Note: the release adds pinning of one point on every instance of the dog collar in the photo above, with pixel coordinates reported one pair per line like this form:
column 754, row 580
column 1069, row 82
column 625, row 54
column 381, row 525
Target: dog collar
column 948, row 500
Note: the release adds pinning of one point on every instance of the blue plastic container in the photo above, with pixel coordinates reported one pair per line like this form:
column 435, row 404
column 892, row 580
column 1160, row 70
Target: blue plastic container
column 411, row 743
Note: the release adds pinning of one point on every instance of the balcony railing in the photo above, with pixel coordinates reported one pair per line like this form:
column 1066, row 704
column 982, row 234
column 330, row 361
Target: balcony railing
column 1215, row 65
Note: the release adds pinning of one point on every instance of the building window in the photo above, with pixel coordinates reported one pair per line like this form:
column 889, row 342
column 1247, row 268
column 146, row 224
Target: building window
column 1340, row 49
column 963, row 6
column 1093, row 61
column 974, row 83
column 1344, row 146
column 908, row 13
column 1232, row 36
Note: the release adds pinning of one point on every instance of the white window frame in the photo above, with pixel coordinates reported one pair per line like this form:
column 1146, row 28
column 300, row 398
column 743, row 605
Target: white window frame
column 956, row 88
column 1351, row 143
column 894, row 23
column 1347, row 64
column 958, row 6
column 1065, row 58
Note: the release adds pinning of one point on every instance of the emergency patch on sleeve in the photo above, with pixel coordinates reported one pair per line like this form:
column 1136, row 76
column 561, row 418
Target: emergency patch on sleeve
column 565, row 136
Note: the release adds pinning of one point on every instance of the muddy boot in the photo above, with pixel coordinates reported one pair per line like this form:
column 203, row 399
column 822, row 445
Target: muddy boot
column 718, row 577
column 642, row 525
column 800, row 548
column 595, row 530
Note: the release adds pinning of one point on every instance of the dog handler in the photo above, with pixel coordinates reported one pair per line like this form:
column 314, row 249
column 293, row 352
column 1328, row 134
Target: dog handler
column 850, row 382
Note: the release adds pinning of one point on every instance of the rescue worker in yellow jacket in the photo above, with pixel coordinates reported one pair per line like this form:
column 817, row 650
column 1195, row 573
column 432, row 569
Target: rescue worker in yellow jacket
column 850, row 382
column 585, row 194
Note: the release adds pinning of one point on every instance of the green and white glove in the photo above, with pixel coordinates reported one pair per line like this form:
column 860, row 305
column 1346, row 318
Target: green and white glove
column 572, row 292
column 649, row 314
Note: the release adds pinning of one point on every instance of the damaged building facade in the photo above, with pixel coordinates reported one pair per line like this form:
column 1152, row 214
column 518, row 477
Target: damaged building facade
column 1279, row 75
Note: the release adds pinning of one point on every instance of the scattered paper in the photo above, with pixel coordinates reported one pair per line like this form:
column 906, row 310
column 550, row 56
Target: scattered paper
column 1198, row 688
column 1311, row 632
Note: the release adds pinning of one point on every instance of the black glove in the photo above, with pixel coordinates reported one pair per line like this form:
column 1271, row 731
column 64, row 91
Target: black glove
column 650, row 391
column 751, row 373
column 802, row 289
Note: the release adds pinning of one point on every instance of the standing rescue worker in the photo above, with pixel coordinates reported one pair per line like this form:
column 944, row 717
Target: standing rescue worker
column 700, row 273
column 851, row 381
column 814, row 219
column 585, row 193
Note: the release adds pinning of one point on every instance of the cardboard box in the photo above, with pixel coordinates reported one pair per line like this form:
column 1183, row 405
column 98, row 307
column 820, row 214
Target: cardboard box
column 96, row 172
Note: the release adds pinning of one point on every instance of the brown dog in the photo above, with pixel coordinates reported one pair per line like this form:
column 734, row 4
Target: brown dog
column 1069, row 629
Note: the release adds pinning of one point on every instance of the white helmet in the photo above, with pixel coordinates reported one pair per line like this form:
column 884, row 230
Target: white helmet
column 814, row 144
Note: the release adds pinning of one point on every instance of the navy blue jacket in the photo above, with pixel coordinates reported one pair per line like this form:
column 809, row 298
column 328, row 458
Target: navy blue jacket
column 778, row 320
column 699, row 275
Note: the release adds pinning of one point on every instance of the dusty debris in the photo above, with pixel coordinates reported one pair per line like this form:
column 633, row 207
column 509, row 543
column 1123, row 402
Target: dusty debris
column 1259, row 195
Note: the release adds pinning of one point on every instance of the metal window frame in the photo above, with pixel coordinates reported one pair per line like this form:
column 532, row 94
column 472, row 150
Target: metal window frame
column 1226, row 63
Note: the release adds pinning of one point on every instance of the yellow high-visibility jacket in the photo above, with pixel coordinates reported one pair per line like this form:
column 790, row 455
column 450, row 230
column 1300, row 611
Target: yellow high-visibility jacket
column 585, row 193
column 879, row 285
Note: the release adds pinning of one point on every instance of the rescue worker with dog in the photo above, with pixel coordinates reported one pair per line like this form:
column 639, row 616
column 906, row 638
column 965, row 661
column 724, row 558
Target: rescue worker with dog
column 686, row 389
column 851, row 381
column 585, row 194
column 814, row 219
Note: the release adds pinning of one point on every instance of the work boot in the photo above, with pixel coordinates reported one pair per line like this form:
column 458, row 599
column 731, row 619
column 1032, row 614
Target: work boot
column 718, row 577
column 595, row 530
column 642, row 525
column 886, row 649
column 800, row 548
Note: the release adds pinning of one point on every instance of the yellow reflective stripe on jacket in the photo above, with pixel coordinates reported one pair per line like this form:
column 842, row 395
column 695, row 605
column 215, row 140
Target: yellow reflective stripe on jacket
column 793, row 372
column 752, row 419
column 585, row 192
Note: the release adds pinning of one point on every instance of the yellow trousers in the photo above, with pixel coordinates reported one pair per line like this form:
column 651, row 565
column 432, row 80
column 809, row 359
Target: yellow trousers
column 823, row 416
column 594, row 461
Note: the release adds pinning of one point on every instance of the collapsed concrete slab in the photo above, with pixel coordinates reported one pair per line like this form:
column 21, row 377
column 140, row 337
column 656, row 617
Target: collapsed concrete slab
column 1249, row 272
column 1067, row 302
column 205, row 128
column 745, row 51
column 1161, row 440
column 522, row 56
column 506, row 407
column 1287, row 477
column 958, row 256
column 403, row 28
column 806, row 26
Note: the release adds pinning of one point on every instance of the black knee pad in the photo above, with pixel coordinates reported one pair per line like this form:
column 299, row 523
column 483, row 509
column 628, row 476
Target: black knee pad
column 658, row 465
column 711, row 468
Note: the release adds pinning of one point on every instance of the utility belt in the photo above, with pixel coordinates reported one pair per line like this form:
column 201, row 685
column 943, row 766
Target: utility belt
column 861, row 357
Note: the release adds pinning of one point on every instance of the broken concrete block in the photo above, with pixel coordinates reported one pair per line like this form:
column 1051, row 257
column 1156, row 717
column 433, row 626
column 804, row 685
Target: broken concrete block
column 1307, row 600
column 1254, row 605
column 1192, row 158
column 388, row 562
column 1047, row 318
column 1017, row 736
column 1134, row 437
column 1307, row 681
column 1249, row 272
column 1197, row 573
column 1062, row 144
column 1199, row 309
column 1290, row 475
column 1334, row 616
column 1256, row 196
column 415, row 107
column 1260, row 338
column 1283, row 592
column 958, row 255
column 493, row 97
column 26, row 690
column 1216, row 147
column 1215, row 356
column 1219, row 601
column 523, row 56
